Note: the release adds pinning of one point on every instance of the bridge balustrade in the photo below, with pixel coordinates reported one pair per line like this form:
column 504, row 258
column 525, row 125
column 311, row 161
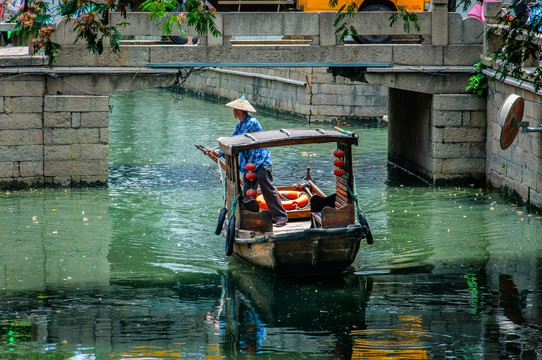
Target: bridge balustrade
column 443, row 39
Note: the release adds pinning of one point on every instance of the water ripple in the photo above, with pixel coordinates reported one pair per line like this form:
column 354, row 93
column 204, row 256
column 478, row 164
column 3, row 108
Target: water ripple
column 162, row 176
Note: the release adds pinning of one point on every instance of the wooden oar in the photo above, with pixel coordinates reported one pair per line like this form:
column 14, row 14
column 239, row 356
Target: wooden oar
column 209, row 152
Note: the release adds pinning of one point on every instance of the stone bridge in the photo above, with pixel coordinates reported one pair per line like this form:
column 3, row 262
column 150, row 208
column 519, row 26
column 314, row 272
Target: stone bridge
column 53, row 133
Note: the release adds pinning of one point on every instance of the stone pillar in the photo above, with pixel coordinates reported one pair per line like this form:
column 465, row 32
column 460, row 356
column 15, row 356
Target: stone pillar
column 51, row 140
column 327, row 31
column 21, row 132
column 439, row 22
column 491, row 12
column 75, row 140
column 458, row 138
column 215, row 41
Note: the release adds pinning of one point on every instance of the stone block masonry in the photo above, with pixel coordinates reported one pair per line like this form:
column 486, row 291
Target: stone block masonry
column 458, row 138
column 310, row 93
column 518, row 169
column 75, row 140
column 51, row 140
column 21, row 132
column 439, row 136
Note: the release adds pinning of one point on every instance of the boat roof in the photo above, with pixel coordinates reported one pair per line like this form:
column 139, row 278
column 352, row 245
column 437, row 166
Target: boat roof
column 284, row 137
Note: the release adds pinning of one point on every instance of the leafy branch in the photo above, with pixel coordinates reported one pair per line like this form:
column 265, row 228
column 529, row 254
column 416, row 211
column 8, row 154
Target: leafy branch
column 33, row 23
column 520, row 40
column 518, row 30
column 409, row 19
column 91, row 22
column 198, row 15
column 343, row 28
column 93, row 26
column 341, row 24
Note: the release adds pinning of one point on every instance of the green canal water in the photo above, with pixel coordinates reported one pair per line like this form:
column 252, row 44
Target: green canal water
column 134, row 271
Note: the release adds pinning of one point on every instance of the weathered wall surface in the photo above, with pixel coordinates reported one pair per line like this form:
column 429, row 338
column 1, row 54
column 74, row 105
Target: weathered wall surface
column 54, row 130
column 308, row 92
column 75, row 139
column 517, row 169
column 458, row 132
column 51, row 140
column 439, row 136
column 21, row 131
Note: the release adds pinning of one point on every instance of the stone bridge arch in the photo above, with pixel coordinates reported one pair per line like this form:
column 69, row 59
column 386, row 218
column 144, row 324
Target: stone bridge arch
column 68, row 104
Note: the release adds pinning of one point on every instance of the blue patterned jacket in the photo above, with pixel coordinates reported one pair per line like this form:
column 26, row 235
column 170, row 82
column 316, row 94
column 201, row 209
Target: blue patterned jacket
column 257, row 156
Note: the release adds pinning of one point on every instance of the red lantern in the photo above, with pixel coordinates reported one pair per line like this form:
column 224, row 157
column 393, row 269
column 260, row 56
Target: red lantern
column 251, row 176
column 339, row 154
column 338, row 172
column 251, row 193
column 250, row 166
column 338, row 163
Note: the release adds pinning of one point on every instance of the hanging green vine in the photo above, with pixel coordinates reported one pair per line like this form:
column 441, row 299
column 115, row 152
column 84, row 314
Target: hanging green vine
column 478, row 82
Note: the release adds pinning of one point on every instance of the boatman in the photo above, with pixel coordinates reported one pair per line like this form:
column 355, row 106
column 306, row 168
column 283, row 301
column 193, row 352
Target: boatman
column 259, row 157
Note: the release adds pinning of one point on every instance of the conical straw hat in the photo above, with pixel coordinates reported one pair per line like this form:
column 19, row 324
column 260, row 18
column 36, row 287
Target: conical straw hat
column 241, row 104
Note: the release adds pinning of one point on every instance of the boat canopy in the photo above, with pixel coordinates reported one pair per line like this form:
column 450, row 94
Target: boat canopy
column 283, row 137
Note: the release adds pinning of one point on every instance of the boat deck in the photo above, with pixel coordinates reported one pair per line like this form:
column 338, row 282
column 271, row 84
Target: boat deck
column 292, row 226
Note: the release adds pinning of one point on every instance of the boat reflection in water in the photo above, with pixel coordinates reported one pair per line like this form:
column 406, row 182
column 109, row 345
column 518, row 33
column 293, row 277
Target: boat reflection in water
column 260, row 312
column 221, row 316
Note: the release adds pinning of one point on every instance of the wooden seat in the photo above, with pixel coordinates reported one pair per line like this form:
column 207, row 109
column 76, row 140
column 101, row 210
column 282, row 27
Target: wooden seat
column 331, row 217
column 318, row 203
column 335, row 210
column 256, row 221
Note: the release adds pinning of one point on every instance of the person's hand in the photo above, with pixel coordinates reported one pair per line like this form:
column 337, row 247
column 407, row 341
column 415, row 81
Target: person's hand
column 208, row 151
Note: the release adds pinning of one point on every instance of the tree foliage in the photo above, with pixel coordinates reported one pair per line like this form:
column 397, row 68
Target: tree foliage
column 349, row 10
column 33, row 23
column 518, row 28
column 519, row 36
column 198, row 15
column 91, row 22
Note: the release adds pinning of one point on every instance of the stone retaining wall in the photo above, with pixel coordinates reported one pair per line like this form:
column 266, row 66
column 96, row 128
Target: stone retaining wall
column 21, row 131
column 311, row 93
column 75, row 139
column 518, row 169
column 51, row 140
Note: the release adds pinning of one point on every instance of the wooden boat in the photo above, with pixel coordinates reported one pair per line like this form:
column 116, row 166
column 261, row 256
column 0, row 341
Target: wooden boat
column 322, row 236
